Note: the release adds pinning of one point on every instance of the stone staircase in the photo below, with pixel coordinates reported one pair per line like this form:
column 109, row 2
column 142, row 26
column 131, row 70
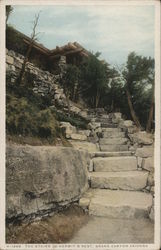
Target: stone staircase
column 117, row 186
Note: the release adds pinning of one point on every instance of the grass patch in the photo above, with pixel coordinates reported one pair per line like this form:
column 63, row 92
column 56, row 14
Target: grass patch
column 28, row 115
column 59, row 228
column 29, row 118
column 37, row 141
column 26, row 119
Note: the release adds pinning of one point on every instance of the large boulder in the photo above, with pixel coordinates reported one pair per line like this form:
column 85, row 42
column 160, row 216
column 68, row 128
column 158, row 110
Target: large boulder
column 94, row 125
column 9, row 59
column 127, row 123
column 142, row 138
column 145, row 152
column 74, row 109
column 78, row 137
column 83, row 114
column 42, row 178
column 68, row 129
column 116, row 117
column 148, row 164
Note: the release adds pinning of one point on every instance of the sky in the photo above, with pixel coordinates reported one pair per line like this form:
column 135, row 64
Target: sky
column 115, row 31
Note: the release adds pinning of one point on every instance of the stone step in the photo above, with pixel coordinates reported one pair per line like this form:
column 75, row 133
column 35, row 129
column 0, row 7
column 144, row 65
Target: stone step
column 113, row 130
column 103, row 120
column 79, row 137
column 118, row 204
column 83, row 145
column 111, row 134
column 124, row 163
column 112, row 141
column 108, row 125
column 113, row 148
column 111, row 154
column 130, row 180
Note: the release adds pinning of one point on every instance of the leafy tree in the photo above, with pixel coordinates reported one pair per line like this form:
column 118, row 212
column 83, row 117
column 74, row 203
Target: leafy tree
column 139, row 77
column 93, row 79
column 114, row 91
column 71, row 82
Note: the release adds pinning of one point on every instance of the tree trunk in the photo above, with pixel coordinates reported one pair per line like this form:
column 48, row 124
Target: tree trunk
column 112, row 106
column 33, row 39
column 150, row 118
column 132, row 111
column 74, row 97
column 68, row 102
column 97, row 99
column 22, row 72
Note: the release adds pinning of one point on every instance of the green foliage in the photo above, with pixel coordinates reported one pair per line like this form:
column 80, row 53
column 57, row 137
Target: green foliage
column 22, row 117
column 71, row 81
column 114, row 96
column 26, row 90
column 28, row 114
column 93, row 80
column 139, row 79
column 75, row 120
column 137, row 69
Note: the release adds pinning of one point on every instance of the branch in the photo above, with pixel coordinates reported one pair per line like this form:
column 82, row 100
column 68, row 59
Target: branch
column 120, row 70
column 35, row 23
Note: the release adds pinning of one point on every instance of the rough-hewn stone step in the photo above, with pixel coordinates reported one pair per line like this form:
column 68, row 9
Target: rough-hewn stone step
column 108, row 164
column 103, row 120
column 112, row 141
column 113, row 130
column 130, row 180
column 118, row 204
column 83, row 145
column 111, row 134
column 111, row 154
column 79, row 137
column 108, row 125
column 113, row 148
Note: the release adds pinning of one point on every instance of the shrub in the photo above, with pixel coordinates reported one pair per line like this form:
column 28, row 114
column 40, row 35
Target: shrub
column 26, row 90
column 74, row 120
column 22, row 117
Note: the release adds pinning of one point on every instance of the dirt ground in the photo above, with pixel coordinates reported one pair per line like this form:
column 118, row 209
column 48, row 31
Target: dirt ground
column 59, row 228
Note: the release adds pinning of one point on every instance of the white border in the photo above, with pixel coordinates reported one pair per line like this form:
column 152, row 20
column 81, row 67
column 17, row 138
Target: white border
column 2, row 126
column 157, row 120
column 81, row 2
column 156, row 245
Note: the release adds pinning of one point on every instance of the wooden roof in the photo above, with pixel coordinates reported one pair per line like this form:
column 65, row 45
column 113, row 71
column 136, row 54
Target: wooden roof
column 36, row 45
column 70, row 48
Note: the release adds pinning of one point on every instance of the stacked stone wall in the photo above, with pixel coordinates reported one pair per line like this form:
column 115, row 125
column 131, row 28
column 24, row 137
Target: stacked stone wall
column 44, row 82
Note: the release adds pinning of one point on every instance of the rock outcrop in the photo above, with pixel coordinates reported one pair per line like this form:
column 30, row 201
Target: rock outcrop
column 41, row 179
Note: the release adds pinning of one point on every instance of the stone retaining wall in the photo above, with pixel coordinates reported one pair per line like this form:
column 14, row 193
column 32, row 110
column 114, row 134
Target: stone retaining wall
column 44, row 82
